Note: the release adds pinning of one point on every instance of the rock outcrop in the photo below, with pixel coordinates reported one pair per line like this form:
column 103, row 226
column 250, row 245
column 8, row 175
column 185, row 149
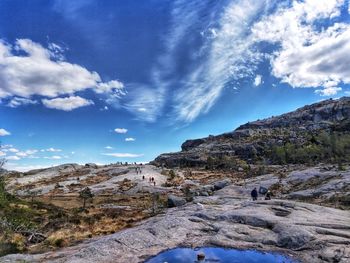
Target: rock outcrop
column 254, row 140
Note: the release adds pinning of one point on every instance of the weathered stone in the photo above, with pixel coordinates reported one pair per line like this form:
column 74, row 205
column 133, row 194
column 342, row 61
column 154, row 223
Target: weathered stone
column 292, row 237
column 174, row 201
column 221, row 184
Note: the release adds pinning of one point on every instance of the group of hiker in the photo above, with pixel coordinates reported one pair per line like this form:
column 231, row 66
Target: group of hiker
column 254, row 193
column 138, row 170
column 262, row 190
column 151, row 180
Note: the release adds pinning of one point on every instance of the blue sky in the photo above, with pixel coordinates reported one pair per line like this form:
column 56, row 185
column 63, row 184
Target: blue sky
column 106, row 81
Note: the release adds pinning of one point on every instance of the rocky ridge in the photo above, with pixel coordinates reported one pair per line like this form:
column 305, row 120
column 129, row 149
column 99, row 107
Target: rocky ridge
column 252, row 141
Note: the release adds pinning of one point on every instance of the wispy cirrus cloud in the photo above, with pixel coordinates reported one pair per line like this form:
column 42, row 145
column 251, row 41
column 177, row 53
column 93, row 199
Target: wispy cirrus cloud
column 215, row 37
column 144, row 102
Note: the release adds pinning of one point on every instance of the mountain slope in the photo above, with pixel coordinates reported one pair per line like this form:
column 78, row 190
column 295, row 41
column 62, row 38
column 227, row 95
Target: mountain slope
column 313, row 133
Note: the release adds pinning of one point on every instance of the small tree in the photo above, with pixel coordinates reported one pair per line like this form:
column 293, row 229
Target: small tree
column 33, row 193
column 85, row 194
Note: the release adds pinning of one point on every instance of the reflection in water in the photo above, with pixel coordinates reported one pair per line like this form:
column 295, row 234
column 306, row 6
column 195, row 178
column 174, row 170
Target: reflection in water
column 218, row 255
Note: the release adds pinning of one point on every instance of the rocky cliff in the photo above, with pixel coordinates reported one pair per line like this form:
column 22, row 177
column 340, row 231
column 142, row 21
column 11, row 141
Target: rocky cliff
column 310, row 131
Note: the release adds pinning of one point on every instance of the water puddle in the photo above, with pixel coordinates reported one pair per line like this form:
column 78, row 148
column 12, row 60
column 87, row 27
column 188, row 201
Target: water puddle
column 218, row 255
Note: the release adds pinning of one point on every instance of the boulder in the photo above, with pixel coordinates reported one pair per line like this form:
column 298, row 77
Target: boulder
column 175, row 201
column 292, row 237
column 221, row 184
column 91, row 165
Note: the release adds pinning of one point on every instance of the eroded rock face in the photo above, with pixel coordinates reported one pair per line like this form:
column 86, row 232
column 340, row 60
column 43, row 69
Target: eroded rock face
column 309, row 233
column 254, row 138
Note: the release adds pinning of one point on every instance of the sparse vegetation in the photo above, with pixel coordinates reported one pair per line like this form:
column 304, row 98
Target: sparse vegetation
column 226, row 162
column 326, row 147
column 173, row 179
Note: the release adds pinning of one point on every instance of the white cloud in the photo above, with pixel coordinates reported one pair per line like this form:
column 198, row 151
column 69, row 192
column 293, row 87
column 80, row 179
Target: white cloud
column 43, row 72
column 257, row 80
column 121, row 130
column 3, row 132
column 6, row 146
column 109, row 147
column 13, row 158
column 123, row 155
column 330, row 91
column 21, row 154
column 308, row 57
column 130, row 139
column 106, row 87
column 67, row 104
column 31, row 151
column 2, row 153
column 52, row 150
column 13, row 150
column 54, row 157
column 16, row 102
column 27, row 153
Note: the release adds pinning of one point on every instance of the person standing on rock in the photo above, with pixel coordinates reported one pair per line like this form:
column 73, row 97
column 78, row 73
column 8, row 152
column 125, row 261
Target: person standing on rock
column 268, row 195
column 254, row 194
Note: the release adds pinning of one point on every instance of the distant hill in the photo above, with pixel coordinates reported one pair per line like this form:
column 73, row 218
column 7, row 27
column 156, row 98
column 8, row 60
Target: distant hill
column 314, row 133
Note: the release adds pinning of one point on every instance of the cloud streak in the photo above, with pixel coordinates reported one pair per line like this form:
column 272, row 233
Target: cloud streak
column 222, row 53
column 123, row 155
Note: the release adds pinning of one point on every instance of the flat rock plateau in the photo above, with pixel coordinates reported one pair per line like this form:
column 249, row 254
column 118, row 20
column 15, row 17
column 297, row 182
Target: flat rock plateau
column 228, row 218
